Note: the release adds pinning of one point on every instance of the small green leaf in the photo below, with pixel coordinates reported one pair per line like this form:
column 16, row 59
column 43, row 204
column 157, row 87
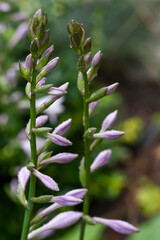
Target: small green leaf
column 89, row 133
column 21, row 195
column 42, row 199
column 97, row 95
column 43, row 89
column 41, row 131
column 82, row 172
column 80, row 83
column 89, row 220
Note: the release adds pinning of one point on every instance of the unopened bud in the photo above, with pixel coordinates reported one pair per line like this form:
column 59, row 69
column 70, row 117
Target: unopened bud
column 46, row 55
column 87, row 45
column 96, row 59
column 48, row 68
column 97, row 95
column 34, row 47
column 29, row 63
column 87, row 58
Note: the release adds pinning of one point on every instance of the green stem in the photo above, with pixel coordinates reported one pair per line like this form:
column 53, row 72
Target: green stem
column 32, row 186
column 87, row 151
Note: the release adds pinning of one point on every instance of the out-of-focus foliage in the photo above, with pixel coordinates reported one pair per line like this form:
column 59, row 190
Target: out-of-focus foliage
column 92, row 233
column 148, row 197
column 148, row 230
column 133, row 129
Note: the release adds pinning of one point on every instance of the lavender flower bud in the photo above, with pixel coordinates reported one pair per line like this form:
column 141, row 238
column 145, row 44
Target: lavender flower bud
column 112, row 88
column 77, row 193
column 58, row 140
column 48, row 68
column 62, row 220
column 87, row 58
column 92, row 106
column 87, row 45
column 64, row 87
column 117, row 225
column 56, row 92
column 41, row 82
column 63, row 127
column 48, row 52
column 109, row 121
column 60, row 158
column 45, row 40
column 111, row 134
column 34, row 47
column 23, row 177
column 66, row 200
column 102, row 159
column 24, row 72
column 46, row 180
column 29, row 63
column 41, row 120
column 46, row 55
column 97, row 59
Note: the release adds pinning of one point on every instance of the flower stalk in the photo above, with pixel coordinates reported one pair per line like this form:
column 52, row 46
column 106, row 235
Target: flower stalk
column 86, row 148
column 32, row 186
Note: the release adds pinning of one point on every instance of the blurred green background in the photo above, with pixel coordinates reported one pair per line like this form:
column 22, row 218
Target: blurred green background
column 128, row 33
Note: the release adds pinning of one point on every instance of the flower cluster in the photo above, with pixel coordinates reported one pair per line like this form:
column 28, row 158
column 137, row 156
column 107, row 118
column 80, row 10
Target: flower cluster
column 38, row 65
column 82, row 46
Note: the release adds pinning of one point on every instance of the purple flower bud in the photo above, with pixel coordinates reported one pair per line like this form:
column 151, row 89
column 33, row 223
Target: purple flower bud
column 48, row 68
column 117, row 225
column 88, row 58
column 41, row 120
column 29, row 63
column 23, row 177
column 96, row 59
column 112, row 88
column 111, row 134
column 60, row 158
column 92, row 106
column 41, row 82
column 66, row 200
column 63, row 127
column 102, row 159
column 59, row 140
column 62, row 220
column 46, row 180
column 46, row 37
column 45, row 234
column 64, row 86
column 56, row 91
column 109, row 121
column 48, row 51
column 77, row 193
